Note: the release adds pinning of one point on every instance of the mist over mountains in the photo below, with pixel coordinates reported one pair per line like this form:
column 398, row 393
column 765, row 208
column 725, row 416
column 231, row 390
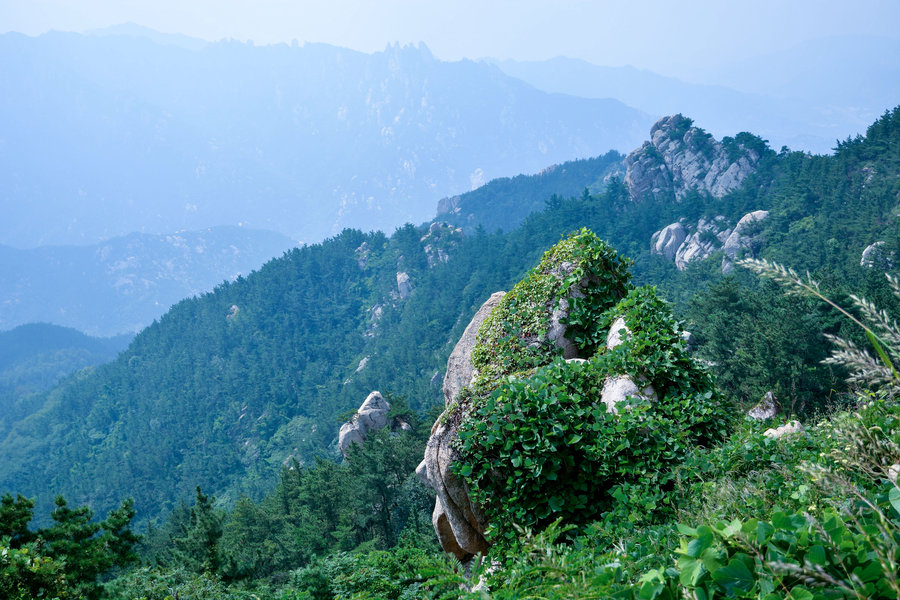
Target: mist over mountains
column 805, row 98
column 122, row 284
column 105, row 135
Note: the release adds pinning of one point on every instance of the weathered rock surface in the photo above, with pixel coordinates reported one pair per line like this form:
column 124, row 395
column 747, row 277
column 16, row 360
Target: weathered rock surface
column 404, row 285
column 876, row 256
column 618, row 332
column 668, row 240
column 371, row 416
column 744, row 237
column 706, row 239
column 767, row 408
column 458, row 523
column 680, row 157
column 617, row 390
column 438, row 242
column 460, row 371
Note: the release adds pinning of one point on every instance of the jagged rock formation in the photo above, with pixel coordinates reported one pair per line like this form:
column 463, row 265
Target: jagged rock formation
column 742, row 238
column 709, row 236
column 438, row 242
column 876, row 256
column 362, row 255
column 371, row 416
column 680, row 157
column 705, row 240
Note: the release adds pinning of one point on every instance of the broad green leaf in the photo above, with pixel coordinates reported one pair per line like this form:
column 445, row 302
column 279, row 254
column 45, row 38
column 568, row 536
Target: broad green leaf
column 894, row 497
column 734, row 577
column 817, row 555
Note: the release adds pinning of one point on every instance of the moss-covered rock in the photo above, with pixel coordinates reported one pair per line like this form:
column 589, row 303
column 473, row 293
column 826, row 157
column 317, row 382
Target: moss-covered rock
column 533, row 438
column 554, row 310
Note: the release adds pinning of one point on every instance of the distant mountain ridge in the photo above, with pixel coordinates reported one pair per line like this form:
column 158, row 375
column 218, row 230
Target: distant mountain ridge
column 805, row 98
column 122, row 284
column 106, row 134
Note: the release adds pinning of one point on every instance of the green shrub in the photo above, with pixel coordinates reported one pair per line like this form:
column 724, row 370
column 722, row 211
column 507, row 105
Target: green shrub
column 544, row 447
column 514, row 337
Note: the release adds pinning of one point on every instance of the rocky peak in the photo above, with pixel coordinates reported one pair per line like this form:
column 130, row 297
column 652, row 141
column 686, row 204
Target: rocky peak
column 681, row 157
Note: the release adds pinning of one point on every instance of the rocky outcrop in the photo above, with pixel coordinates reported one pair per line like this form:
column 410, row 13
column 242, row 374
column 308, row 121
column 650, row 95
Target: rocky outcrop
column 744, row 237
column 439, row 241
column 617, row 391
column 765, row 409
column 362, row 255
column 680, row 157
column 706, row 239
column 371, row 416
column 709, row 236
column 790, row 428
column 404, row 285
column 459, row 524
column 876, row 256
column 667, row 241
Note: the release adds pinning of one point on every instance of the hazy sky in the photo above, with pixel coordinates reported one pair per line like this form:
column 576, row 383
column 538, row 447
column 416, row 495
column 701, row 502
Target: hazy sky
column 673, row 37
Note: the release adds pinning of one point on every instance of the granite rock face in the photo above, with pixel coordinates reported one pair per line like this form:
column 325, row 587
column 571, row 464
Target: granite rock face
column 743, row 238
column 460, row 371
column 371, row 416
column 458, row 523
column 765, row 409
column 667, row 241
column 706, row 239
column 681, row 157
column 710, row 235
column 876, row 256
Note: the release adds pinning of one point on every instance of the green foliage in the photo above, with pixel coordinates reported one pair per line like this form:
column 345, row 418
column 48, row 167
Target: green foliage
column 543, row 446
column 760, row 340
column 514, row 337
column 65, row 559
column 197, row 548
column 26, row 574
column 15, row 514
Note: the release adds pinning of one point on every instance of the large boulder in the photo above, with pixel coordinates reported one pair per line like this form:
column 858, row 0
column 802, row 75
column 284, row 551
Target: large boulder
column 534, row 435
column 459, row 524
column 371, row 416
column 460, row 371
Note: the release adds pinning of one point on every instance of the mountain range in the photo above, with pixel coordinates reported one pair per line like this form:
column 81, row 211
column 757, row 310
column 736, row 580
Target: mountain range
column 104, row 135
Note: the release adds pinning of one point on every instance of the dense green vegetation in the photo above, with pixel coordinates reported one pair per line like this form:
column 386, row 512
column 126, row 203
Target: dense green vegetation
column 35, row 357
column 504, row 203
column 230, row 389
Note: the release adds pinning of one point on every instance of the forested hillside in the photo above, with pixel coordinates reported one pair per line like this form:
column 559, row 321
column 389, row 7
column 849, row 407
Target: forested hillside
column 33, row 358
column 226, row 387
